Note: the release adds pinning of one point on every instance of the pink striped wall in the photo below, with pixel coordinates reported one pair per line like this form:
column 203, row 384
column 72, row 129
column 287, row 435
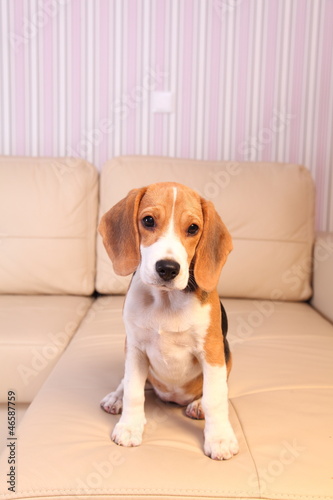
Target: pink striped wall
column 251, row 80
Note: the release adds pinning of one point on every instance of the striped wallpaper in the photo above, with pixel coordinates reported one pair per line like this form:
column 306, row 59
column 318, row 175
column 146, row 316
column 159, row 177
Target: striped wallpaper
column 250, row 80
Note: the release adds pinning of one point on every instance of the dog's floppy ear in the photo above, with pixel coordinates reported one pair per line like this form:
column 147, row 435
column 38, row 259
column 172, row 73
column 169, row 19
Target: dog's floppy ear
column 213, row 248
column 119, row 230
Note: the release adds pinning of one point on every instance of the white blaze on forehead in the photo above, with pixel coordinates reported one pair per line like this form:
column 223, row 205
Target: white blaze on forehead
column 171, row 227
column 167, row 246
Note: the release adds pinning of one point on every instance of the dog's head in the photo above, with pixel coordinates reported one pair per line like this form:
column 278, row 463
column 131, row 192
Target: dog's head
column 171, row 232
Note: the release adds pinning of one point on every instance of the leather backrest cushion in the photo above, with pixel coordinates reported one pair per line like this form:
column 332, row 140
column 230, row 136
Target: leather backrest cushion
column 267, row 207
column 48, row 216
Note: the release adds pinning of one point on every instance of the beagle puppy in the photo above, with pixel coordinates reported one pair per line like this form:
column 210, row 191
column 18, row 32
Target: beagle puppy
column 175, row 243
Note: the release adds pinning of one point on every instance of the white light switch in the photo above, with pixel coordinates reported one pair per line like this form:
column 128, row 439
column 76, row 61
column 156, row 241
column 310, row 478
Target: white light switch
column 162, row 102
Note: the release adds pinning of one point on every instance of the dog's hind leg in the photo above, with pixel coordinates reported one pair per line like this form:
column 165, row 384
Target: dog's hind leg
column 113, row 402
column 195, row 410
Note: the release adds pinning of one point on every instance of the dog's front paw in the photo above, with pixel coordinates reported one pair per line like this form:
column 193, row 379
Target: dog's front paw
column 127, row 435
column 221, row 448
column 112, row 403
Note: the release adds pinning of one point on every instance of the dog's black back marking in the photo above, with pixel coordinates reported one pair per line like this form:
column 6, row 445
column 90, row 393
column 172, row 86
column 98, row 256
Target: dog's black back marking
column 224, row 325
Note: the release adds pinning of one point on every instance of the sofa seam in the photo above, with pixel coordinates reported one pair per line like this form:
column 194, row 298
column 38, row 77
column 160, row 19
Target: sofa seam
column 31, row 237
column 271, row 240
column 135, row 491
column 263, row 391
column 247, row 445
column 91, row 223
column 166, row 491
column 75, row 332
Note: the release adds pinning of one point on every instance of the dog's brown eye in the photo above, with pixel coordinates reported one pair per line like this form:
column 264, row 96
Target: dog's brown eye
column 192, row 229
column 148, row 221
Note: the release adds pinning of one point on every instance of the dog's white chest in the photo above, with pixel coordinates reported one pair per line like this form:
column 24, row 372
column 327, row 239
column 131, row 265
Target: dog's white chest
column 170, row 328
column 177, row 316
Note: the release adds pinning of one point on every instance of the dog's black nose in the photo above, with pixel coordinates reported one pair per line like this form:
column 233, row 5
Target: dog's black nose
column 167, row 269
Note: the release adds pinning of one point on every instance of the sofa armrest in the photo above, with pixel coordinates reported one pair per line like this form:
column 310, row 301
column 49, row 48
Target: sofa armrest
column 322, row 298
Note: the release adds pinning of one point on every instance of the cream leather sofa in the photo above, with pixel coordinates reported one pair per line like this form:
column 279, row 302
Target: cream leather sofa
column 62, row 338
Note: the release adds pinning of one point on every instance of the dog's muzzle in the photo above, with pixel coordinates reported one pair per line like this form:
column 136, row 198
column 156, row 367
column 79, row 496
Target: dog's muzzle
column 167, row 269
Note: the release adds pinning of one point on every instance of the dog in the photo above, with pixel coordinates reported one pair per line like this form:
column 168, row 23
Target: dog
column 176, row 244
